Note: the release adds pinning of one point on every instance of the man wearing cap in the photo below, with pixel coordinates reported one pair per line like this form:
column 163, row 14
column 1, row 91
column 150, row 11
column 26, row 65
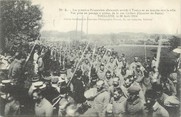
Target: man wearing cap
column 101, row 72
column 116, row 84
column 130, row 81
column 35, row 60
column 49, row 92
column 108, row 80
column 134, row 104
column 42, row 106
column 12, row 107
column 63, row 75
column 139, row 75
column 119, row 103
column 15, row 70
column 153, row 107
column 78, row 88
column 41, row 65
column 86, row 65
column 65, row 99
column 100, row 103
column 135, row 63
column 162, row 98
column 111, row 65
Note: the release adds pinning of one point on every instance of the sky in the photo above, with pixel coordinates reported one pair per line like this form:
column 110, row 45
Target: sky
column 54, row 18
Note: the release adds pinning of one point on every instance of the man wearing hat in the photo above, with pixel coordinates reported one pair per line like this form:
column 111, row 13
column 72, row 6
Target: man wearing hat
column 101, row 72
column 111, row 65
column 63, row 75
column 16, row 69
column 108, row 80
column 130, row 81
column 135, row 63
column 118, row 101
column 65, row 100
column 139, row 75
column 153, row 107
column 12, row 107
column 78, row 87
column 101, row 101
column 116, row 84
column 134, row 104
column 42, row 106
column 162, row 98
column 35, row 60
column 49, row 92
column 32, row 87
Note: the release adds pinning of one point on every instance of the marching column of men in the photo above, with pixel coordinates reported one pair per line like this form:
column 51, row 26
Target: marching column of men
column 82, row 82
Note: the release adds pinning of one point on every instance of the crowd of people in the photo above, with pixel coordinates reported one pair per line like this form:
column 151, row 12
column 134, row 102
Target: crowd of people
column 82, row 79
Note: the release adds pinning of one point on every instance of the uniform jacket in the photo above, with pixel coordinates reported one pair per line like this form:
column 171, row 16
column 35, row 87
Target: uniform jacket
column 159, row 111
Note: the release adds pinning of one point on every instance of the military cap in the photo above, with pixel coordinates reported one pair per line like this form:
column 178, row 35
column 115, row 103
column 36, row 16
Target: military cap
column 133, row 89
column 63, row 71
column 39, row 85
column 100, row 82
column 35, row 78
column 47, row 78
column 90, row 93
column 6, row 82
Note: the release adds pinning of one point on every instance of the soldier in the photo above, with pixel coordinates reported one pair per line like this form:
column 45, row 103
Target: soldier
column 49, row 92
column 41, row 66
column 78, row 88
column 139, row 75
column 162, row 98
column 110, row 65
column 12, row 107
column 130, row 81
column 101, row 101
column 35, row 60
column 153, row 107
column 86, row 65
column 108, row 80
column 101, row 72
column 16, row 69
column 65, row 100
column 42, row 106
column 135, row 63
column 168, row 86
column 134, row 104
column 116, row 84
column 119, row 103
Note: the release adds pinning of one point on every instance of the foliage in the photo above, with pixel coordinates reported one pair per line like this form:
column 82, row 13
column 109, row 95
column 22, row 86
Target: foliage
column 21, row 22
column 174, row 42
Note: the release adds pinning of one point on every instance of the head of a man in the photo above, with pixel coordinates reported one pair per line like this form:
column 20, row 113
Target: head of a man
column 100, row 85
column 129, row 78
column 111, row 60
column 102, row 67
column 138, row 68
column 136, row 59
column 133, row 93
column 117, row 93
column 150, row 97
column 109, row 53
column 108, row 74
column 158, row 89
column 116, row 81
column 37, row 95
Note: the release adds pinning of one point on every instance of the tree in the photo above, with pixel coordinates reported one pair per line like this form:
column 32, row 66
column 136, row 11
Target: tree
column 21, row 22
column 174, row 41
